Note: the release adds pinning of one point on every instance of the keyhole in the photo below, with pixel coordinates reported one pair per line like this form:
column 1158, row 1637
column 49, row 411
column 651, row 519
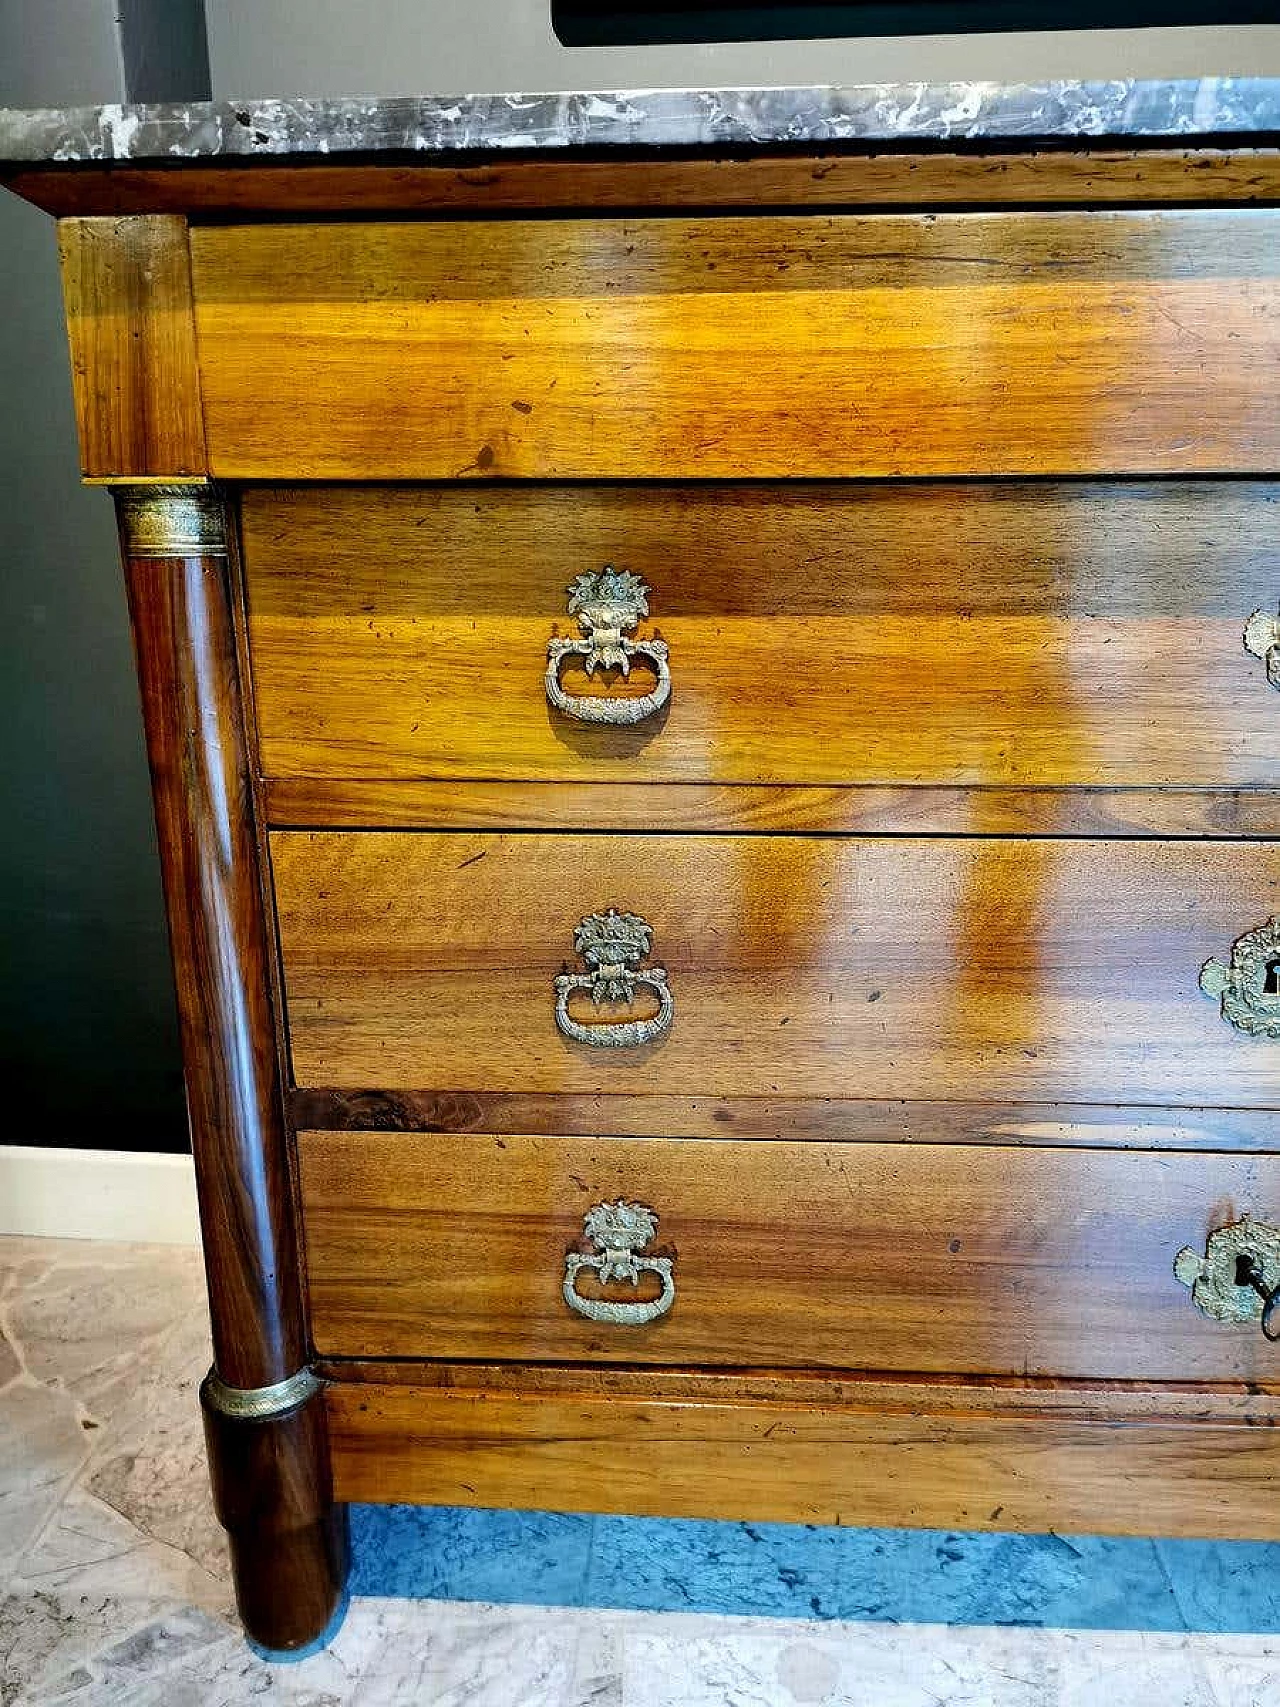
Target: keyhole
column 1244, row 1270
column 1271, row 977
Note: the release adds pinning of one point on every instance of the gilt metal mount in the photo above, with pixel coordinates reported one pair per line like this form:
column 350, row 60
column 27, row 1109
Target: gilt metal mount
column 613, row 944
column 1238, row 1277
column 1249, row 985
column 619, row 1231
column 608, row 604
column 1262, row 639
column 171, row 521
column 260, row 1404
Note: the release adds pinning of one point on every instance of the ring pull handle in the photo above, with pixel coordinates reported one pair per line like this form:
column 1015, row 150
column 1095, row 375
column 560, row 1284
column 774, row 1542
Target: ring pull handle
column 1248, row 985
column 1238, row 1277
column 608, row 604
column 1262, row 639
column 619, row 1231
column 613, row 945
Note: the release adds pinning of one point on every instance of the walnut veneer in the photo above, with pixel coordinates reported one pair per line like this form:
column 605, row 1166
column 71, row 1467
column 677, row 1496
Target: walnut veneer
column 952, row 517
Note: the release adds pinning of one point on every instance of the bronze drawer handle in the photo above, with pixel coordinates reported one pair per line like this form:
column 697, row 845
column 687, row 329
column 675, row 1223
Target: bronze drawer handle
column 613, row 945
column 619, row 1230
column 1249, row 985
column 608, row 605
column 1262, row 639
column 1238, row 1277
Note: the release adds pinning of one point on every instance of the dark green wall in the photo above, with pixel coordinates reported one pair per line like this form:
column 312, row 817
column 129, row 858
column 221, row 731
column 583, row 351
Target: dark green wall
column 88, row 1038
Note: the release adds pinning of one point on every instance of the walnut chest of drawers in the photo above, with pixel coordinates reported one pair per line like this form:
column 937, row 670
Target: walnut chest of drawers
column 714, row 731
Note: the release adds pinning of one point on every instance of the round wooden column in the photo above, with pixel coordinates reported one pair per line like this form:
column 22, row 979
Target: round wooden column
column 264, row 1412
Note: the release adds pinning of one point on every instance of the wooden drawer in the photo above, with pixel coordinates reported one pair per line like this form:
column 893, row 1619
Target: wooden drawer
column 851, row 1256
column 798, row 345
column 1034, row 1456
column 991, row 635
column 962, row 969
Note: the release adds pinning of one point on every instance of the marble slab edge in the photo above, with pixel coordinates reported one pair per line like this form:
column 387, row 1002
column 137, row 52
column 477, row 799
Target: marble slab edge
column 1203, row 108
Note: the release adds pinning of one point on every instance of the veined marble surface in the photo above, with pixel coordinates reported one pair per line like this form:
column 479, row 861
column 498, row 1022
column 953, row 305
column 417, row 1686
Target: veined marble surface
column 647, row 118
column 114, row 1589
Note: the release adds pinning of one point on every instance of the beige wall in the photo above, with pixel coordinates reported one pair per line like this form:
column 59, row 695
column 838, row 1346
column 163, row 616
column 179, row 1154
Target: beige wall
column 409, row 47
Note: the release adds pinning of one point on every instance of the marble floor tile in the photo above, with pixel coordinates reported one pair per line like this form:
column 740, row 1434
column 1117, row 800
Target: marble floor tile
column 538, row 1558
column 10, row 1362
column 941, row 1576
column 1227, row 1588
column 132, row 1666
column 468, row 1655
column 149, row 1462
column 460, row 1655
column 597, row 1671
column 43, row 1447
column 23, row 1260
column 388, row 1654
column 118, row 1592
column 784, row 1570
column 97, row 1314
column 93, row 1590
column 674, row 1661
column 778, row 1569
column 778, row 1663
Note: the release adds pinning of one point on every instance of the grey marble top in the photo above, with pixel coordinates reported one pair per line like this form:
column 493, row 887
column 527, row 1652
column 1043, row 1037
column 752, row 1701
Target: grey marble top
column 652, row 118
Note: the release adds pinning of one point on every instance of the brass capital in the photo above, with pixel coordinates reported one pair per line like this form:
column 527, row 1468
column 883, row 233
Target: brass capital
column 256, row 1404
column 171, row 521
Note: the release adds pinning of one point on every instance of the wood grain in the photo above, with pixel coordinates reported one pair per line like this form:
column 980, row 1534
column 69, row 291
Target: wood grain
column 271, row 1477
column 920, row 1455
column 1107, row 176
column 192, row 712
column 273, row 1494
column 834, row 1120
column 420, row 803
column 127, row 290
column 781, row 345
column 1253, row 1402
column 990, row 636
column 848, row 1256
column 943, row 969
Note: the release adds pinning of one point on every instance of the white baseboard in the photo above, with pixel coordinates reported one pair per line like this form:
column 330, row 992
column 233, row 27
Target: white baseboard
column 131, row 1197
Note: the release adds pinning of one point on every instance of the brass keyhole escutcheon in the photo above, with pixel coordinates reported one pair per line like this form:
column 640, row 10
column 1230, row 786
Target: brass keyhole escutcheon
column 1238, row 1277
column 1248, row 985
column 1262, row 640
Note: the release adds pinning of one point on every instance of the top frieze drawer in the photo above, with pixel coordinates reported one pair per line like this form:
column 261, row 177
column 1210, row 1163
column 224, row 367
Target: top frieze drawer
column 1042, row 343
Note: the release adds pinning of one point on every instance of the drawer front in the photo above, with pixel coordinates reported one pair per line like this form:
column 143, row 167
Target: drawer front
column 851, row 1256
column 953, row 969
column 1002, row 635
column 805, row 345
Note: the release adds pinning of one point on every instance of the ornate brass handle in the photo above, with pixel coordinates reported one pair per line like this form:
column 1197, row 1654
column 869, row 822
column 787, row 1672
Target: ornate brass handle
column 1262, row 638
column 1249, row 985
column 607, row 605
column 1238, row 1277
column 613, row 945
column 619, row 1230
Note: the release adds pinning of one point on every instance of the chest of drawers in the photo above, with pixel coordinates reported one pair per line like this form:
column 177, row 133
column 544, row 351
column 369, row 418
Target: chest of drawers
column 714, row 732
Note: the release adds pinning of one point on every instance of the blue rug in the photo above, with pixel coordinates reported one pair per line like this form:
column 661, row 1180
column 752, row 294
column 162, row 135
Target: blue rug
column 800, row 1571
